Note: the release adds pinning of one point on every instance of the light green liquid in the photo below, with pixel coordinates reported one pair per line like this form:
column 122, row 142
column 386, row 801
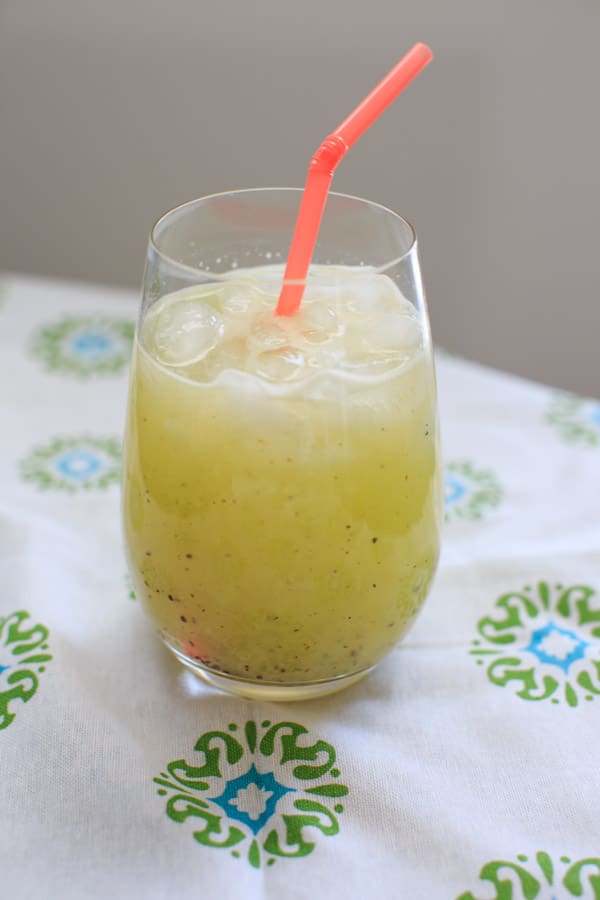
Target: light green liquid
column 281, row 534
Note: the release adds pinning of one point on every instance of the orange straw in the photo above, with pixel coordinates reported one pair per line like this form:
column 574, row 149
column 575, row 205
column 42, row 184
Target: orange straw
column 323, row 165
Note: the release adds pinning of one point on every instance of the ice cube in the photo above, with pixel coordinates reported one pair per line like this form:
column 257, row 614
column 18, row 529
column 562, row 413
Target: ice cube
column 379, row 344
column 268, row 333
column 281, row 364
column 237, row 300
column 370, row 294
column 392, row 332
column 185, row 331
column 317, row 322
column 371, row 364
column 238, row 305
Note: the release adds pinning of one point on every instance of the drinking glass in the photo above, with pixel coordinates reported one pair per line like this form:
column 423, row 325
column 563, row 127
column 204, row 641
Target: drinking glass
column 281, row 490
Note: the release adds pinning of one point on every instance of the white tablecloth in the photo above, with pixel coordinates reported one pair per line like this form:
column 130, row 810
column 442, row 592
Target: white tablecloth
column 466, row 766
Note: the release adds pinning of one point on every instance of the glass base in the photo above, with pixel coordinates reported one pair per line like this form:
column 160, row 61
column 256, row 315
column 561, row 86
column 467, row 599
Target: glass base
column 268, row 690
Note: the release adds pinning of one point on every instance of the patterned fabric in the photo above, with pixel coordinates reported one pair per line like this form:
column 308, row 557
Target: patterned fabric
column 469, row 492
column 463, row 768
column 539, row 877
column 74, row 463
column 84, row 345
column 23, row 656
column 289, row 765
column 543, row 641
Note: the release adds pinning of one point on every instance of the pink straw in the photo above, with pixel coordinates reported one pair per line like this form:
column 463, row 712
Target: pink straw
column 323, row 165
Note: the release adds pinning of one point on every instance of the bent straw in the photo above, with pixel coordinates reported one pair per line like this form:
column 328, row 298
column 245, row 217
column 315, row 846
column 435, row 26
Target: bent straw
column 323, row 165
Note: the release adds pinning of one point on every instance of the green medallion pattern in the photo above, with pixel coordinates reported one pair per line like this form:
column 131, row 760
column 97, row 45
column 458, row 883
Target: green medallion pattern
column 74, row 464
column 84, row 346
column 259, row 791
column 576, row 419
column 539, row 878
column 543, row 642
column 23, row 656
column 469, row 492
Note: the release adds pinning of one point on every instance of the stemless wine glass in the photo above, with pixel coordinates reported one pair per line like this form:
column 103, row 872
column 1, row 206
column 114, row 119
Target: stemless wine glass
column 282, row 492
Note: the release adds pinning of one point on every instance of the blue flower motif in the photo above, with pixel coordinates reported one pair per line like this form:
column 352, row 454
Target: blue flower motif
column 92, row 344
column 264, row 812
column 454, row 489
column 73, row 464
column 78, row 464
column 238, row 796
column 543, row 641
column 84, row 346
column 469, row 491
column 557, row 646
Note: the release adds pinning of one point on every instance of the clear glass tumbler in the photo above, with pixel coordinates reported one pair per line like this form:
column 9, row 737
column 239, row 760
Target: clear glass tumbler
column 282, row 491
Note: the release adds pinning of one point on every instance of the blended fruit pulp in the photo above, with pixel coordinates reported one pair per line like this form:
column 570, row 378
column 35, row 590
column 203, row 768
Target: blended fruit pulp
column 282, row 494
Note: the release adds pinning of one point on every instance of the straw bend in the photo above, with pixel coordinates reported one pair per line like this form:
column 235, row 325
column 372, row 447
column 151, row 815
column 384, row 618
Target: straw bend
column 323, row 165
column 328, row 155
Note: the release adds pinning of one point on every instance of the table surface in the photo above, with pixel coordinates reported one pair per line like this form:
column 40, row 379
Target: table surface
column 465, row 766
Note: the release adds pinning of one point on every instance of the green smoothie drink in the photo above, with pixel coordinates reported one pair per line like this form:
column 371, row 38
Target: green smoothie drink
column 281, row 489
column 282, row 492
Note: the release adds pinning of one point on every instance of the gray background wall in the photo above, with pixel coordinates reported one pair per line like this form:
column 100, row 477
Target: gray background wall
column 111, row 112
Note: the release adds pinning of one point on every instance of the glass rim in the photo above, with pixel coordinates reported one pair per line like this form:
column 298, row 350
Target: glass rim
column 219, row 276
